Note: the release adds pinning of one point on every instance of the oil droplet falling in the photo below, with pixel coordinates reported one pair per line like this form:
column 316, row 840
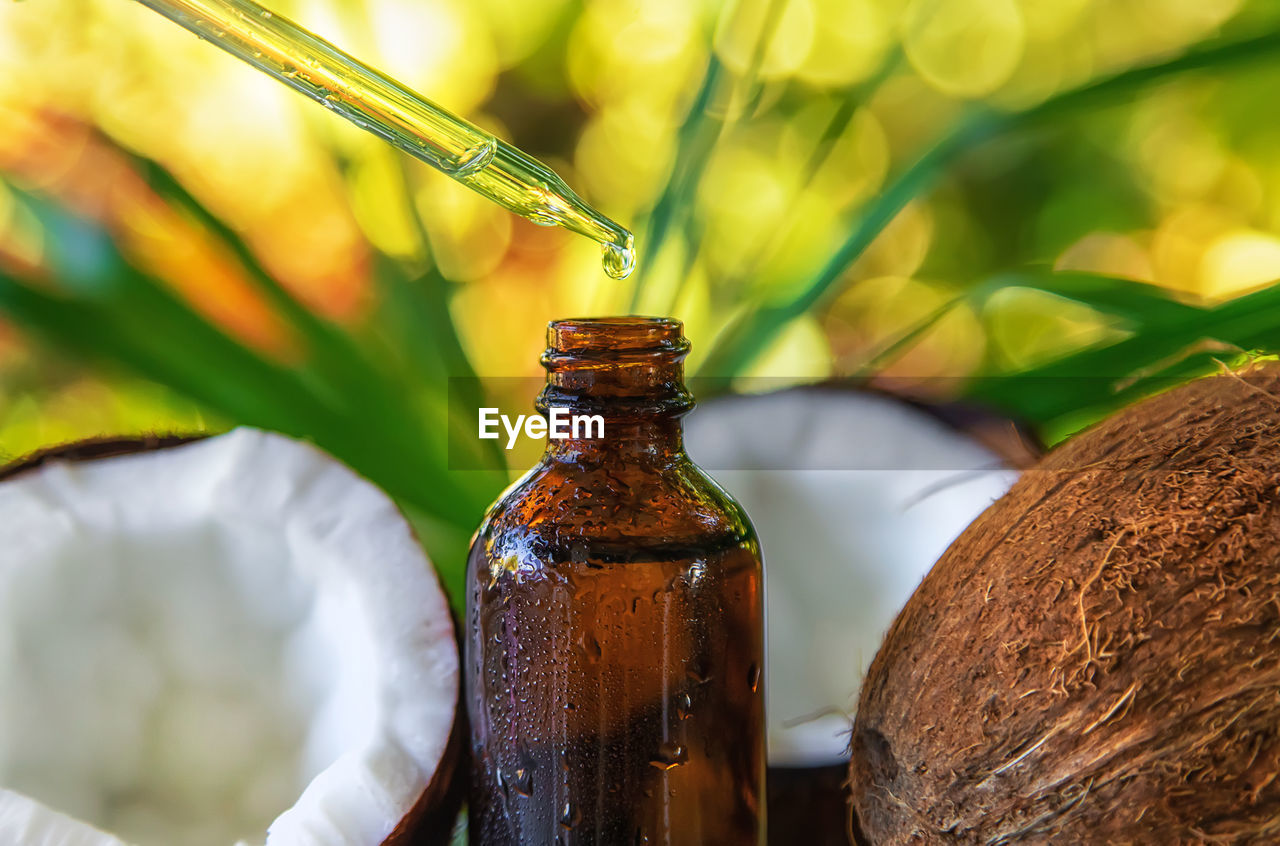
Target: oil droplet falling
column 670, row 755
column 619, row 259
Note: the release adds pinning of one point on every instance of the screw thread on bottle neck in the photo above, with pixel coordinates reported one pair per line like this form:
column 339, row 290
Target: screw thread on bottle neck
column 618, row 367
column 627, row 370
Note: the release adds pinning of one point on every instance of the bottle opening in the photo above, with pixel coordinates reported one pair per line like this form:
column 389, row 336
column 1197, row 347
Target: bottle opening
column 617, row 334
column 620, row 365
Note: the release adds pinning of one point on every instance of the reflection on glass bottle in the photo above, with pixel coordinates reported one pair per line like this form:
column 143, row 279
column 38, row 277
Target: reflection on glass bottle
column 615, row 621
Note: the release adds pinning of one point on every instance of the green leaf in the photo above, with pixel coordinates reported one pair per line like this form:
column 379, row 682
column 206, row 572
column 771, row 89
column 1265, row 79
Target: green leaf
column 695, row 141
column 1135, row 302
column 851, row 99
column 742, row 342
column 126, row 316
column 1165, row 350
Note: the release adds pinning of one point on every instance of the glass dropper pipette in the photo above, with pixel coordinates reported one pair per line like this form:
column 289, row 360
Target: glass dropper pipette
column 376, row 102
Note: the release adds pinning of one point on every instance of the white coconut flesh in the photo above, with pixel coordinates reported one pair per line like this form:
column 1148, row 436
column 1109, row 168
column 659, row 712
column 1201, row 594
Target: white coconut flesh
column 233, row 641
column 854, row 496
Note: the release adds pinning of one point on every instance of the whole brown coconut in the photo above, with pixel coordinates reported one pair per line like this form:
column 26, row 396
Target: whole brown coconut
column 1097, row 658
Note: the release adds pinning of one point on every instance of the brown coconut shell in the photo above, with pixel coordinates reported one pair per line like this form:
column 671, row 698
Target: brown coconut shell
column 431, row 820
column 1096, row 659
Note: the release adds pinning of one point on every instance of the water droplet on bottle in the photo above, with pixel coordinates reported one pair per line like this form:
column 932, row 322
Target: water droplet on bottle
column 570, row 816
column 266, row 14
column 523, row 777
column 684, row 706
column 523, row 781
column 753, row 677
column 670, row 755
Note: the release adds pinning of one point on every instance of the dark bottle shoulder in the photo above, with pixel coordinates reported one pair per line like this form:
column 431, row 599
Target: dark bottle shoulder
column 564, row 506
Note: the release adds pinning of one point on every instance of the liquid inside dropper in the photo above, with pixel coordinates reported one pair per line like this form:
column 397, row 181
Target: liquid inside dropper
column 379, row 104
column 526, row 186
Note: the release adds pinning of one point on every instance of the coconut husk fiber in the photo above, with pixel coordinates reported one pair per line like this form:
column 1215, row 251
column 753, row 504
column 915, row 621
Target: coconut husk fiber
column 1096, row 659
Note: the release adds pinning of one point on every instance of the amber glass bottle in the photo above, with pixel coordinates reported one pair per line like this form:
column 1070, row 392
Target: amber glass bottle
column 614, row 621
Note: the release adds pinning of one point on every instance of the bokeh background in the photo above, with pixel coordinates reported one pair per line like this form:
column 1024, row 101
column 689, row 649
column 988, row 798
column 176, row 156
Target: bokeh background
column 1047, row 206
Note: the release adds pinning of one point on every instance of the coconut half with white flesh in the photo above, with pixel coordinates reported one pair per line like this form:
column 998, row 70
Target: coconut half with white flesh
column 854, row 495
column 232, row 641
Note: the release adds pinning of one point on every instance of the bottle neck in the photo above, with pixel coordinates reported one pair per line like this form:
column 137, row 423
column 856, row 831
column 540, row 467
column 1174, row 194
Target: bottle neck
column 624, row 376
column 638, row 442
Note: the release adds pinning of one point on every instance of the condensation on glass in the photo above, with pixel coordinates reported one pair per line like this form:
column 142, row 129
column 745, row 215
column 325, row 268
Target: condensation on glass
column 615, row 621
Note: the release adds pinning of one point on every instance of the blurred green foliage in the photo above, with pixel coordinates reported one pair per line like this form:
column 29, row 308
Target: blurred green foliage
column 1050, row 207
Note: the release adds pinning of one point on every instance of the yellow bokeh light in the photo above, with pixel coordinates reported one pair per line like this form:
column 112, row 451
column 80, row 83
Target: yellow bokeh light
column 469, row 234
column 663, row 276
column 694, row 305
column 911, row 111
column 438, row 47
column 856, row 162
column 1109, row 254
column 810, row 233
column 1186, row 19
column 902, row 246
column 800, row 354
column 744, row 194
column 380, row 204
column 869, row 317
column 740, row 44
column 1048, row 19
column 1182, row 159
column 623, row 154
column 965, row 48
column 1240, row 261
column 849, row 42
column 620, row 49
column 1240, row 187
column 8, row 209
column 1123, row 31
column 519, row 27
column 1181, row 241
column 1047, row 66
